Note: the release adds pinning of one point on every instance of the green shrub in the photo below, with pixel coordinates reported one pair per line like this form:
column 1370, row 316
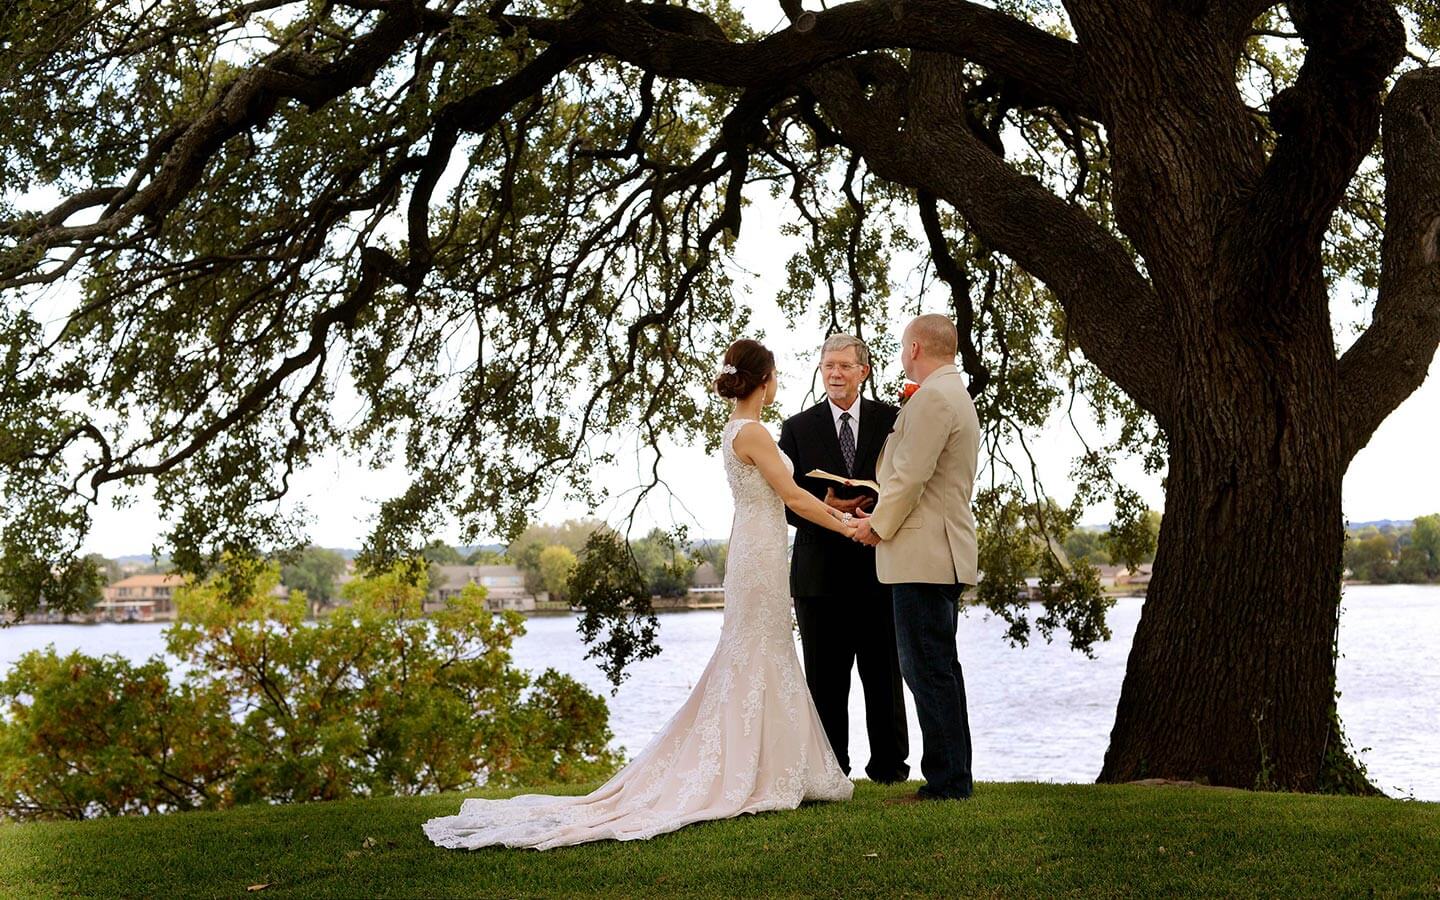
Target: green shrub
column 373, row 700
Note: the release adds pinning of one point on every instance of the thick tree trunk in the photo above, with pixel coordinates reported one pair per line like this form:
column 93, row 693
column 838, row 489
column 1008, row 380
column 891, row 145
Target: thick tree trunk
column 1231, row 677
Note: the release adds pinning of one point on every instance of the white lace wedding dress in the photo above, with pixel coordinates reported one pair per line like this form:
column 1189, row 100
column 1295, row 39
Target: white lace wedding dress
column 748, row 740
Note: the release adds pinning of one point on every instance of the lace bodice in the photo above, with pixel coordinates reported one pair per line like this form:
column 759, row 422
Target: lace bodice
column 747, row 483
column 757, row 570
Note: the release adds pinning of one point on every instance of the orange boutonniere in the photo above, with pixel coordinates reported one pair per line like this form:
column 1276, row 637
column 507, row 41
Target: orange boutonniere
column 907, row 390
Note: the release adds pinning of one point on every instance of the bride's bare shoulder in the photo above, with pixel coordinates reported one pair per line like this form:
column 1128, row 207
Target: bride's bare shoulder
column 752, row 431
column 751, row 437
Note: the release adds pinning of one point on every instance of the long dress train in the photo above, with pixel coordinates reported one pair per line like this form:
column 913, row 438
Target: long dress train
column 747, row 740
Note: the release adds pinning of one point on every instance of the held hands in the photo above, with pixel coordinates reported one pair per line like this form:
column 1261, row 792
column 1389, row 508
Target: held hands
column 863, row 532
column 845, row 523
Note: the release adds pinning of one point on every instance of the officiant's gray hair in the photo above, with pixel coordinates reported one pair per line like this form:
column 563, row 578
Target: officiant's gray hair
column 837, row 342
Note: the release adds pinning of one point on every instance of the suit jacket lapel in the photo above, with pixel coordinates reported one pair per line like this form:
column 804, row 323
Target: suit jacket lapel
column 872, row 432
column 885, row 444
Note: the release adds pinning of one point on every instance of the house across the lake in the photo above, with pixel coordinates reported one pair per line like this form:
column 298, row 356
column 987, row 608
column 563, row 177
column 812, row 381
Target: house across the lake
column 1120, row 580
column 504, row 587
column 139, row 598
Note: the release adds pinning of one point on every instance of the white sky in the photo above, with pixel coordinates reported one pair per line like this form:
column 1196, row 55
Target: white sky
column 1394, row 477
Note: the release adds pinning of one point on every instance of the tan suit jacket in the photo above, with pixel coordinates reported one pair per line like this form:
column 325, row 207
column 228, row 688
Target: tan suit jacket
column 927, row 477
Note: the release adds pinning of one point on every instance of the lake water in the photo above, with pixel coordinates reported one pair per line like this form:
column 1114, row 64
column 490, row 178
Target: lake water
column 1041, row 713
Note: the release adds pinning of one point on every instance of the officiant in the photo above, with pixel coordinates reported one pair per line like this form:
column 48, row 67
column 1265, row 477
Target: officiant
column 845, row 614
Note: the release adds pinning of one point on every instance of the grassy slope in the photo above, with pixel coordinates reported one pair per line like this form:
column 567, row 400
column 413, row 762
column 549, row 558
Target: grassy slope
column 1011, row 839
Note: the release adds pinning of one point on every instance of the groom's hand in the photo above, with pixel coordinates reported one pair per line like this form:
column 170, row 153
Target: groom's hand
column 863, row 532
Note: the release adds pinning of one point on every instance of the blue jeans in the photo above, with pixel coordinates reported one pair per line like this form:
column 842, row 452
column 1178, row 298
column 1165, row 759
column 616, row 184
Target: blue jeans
column 926, row 618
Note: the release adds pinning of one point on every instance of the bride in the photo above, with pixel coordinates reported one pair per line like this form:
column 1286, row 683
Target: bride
column 748, row 739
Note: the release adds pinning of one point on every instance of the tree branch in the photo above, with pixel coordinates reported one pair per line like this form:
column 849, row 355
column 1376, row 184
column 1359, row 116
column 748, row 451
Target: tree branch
column 1112, row 312
column 954, row 275
column 1047, row 67
column 1392, row 357
column 1326, row 124
column 247, row 103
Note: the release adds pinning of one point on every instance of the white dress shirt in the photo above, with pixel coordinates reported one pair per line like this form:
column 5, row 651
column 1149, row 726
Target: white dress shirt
column 854, row 412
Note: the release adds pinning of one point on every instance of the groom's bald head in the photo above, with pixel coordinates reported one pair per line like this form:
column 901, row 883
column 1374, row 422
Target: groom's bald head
column 935, row 334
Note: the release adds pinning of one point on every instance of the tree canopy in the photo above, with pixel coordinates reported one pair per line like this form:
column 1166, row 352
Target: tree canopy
column 483, row 239
column 496, row 229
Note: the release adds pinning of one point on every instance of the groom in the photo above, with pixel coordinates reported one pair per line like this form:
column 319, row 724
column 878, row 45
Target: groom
column 924, row 534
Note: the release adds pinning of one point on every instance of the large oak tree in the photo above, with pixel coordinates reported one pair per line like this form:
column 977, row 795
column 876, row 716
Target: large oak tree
column 498, row 230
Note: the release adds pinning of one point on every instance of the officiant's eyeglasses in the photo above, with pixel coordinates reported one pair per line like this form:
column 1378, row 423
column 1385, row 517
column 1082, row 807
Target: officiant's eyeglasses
column 847, row 368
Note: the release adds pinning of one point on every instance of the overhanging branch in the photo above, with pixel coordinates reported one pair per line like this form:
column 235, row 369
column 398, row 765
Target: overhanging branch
column 955, row 276
column 1047, row 67
column 915, row 134
column 1391, row 359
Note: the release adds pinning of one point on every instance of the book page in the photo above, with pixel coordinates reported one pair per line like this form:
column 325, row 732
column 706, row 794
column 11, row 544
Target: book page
column 850, row 482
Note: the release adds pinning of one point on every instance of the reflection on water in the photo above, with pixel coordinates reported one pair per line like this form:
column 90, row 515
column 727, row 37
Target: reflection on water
column 1042, row 713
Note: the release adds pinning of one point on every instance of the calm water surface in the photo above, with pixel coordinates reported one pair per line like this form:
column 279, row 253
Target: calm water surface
column 1042, row 713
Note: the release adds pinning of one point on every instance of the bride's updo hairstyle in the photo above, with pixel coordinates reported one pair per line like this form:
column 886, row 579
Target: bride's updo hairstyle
column 747, row 366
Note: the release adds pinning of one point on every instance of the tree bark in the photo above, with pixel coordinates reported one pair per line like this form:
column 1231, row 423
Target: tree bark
column 1231, row 676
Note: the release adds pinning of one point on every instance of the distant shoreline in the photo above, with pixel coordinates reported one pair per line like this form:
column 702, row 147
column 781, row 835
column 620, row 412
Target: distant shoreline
column 969, row 598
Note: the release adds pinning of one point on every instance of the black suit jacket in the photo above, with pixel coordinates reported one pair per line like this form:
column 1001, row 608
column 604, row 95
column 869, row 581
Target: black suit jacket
column 825, row 563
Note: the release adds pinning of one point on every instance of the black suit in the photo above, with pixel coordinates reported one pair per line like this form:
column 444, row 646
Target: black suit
column 845, row 614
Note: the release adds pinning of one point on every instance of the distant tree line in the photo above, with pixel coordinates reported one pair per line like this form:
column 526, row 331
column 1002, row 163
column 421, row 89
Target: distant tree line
column 549, row 554
column 1097, row 546
column 1379, row 554
column 1395, row 554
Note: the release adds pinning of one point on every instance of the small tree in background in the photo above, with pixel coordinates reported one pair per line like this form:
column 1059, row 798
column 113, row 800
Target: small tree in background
column 315, row 572
column 1425, row 536
column 442, row 554
column 557, row 564
column 524, row 552
column 665, row 566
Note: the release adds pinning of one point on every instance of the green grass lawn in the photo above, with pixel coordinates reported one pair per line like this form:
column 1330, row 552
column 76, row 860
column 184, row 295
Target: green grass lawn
column 1010, row 840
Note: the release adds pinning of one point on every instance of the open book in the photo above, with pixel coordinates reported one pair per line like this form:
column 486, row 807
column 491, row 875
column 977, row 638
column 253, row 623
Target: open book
column 850, row 482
